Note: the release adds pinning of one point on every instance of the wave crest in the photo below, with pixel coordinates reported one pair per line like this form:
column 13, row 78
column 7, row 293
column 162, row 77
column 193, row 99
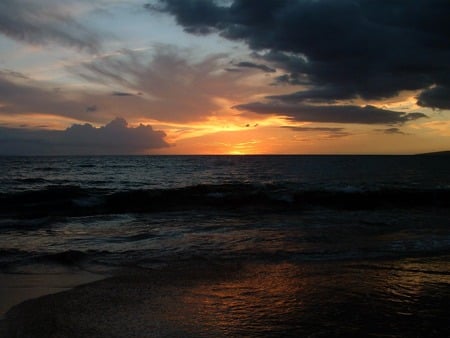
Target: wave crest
column 76, row 201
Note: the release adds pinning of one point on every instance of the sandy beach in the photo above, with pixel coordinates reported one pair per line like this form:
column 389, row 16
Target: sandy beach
column 135, row 303
column 204, row 299
column 20, row 287
column 16, row 288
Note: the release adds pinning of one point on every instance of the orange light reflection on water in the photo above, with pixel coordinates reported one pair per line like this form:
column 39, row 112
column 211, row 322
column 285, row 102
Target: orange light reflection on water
column 254, row 302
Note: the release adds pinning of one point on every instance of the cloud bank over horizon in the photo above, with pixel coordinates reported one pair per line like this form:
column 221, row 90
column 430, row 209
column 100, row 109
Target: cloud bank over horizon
column 114, row 138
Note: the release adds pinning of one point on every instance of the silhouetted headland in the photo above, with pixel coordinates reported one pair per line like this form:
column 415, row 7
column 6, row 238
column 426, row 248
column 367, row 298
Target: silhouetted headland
column 436, row 153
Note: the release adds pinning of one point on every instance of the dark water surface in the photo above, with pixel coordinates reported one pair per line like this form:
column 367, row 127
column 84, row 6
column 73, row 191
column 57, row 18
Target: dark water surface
column 328, row 245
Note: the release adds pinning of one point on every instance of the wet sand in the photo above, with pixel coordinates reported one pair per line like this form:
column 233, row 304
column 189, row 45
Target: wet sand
column 135, row 303
column 16, row 288
column 280, row 299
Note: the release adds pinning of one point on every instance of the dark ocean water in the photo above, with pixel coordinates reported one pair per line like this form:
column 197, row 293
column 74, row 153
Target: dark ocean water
column 360, row 244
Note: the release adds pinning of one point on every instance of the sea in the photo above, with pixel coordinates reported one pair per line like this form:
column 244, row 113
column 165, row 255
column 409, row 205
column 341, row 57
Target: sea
column 343, row 246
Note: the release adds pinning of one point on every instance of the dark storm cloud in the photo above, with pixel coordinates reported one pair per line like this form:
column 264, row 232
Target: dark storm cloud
column 247, row 64
column 359, row 48
column 44, row 21
column 437, row 97
column 324, row 94
column 200, row 15
column 328, row 113
column 113, row 138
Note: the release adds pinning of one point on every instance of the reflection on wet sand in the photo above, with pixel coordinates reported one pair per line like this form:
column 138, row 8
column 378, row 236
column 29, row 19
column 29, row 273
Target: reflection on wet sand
column 264, row 298
column 401, row 298
column 395, row 298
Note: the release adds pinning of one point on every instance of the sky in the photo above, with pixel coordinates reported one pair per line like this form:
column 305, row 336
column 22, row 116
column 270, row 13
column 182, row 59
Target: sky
column 224, row 77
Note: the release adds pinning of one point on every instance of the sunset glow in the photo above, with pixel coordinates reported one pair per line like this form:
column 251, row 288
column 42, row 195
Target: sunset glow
column 65, row 63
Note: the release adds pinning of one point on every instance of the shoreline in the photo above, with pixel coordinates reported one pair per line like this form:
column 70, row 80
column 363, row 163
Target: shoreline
column 16, row 288
column 133, row 300
column 200, row 298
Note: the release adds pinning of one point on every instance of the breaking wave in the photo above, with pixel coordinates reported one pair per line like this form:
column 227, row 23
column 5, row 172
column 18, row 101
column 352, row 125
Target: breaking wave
column 67, row 200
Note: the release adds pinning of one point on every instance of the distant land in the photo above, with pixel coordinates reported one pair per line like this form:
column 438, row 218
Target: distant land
column 437, row 153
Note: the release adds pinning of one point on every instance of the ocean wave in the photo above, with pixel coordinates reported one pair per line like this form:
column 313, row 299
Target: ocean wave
column 46, row 169
column 69, row 200
column 17, row 261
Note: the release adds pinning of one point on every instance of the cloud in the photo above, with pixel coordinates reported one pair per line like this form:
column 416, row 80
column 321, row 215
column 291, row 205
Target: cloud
column 13, row 74
column 164, row 84
column 391, row 131
column 233, row 70
column 207, row 14
column 321, row 95
column 308, row 129
column 44, row 21
column 90, row 109
column 436, row 97
column 247, row 64
column 331, row 132
column 173, row 87
column 341, row 49
column 116, row 137
column 329, row 113
column 22, row 95
column 122, row 94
